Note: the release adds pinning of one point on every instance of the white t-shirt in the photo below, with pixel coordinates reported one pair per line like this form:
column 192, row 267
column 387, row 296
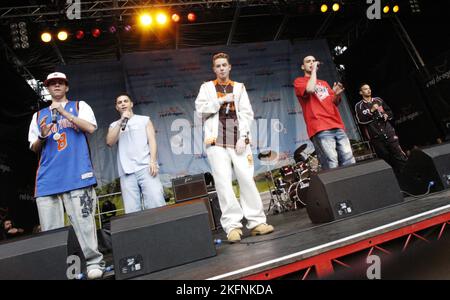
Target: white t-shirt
column 85, row 112
column 133, row 149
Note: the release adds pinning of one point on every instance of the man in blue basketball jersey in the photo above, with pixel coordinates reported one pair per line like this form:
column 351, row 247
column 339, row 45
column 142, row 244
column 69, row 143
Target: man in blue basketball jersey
column 65, row 177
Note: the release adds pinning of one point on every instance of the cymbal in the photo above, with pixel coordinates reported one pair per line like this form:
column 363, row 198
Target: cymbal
column 267, row 155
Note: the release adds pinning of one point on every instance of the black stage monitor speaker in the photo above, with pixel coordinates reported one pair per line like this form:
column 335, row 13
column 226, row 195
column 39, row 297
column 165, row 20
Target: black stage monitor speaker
column 189, row 187
column 160, row 238
column 347, row 191
column 426, row 165
column 44, row 256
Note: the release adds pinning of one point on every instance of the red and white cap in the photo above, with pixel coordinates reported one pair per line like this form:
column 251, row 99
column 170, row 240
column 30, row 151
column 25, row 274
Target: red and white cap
column 55, row 75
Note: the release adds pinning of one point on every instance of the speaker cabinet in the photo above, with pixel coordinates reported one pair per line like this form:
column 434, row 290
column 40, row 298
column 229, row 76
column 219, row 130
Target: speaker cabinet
column 44, row 256
column 160, row 238
column 351, row 190
column 426, row 165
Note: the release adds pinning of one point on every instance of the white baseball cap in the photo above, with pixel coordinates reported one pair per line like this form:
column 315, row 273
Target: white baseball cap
column 55, row 75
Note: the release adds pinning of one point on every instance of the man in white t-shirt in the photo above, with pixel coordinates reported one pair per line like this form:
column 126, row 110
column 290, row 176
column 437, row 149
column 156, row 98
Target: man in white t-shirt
column 136, row 158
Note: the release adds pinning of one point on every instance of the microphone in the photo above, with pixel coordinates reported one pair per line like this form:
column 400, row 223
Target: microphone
column 54, row 115
column 124, row 123
column 227, row 109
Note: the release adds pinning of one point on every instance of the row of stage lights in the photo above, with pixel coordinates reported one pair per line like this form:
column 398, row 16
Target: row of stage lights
column 145, row 21
column 336, row 7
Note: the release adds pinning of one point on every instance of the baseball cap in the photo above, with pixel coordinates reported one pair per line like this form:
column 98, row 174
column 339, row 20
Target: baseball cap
column 55, row 75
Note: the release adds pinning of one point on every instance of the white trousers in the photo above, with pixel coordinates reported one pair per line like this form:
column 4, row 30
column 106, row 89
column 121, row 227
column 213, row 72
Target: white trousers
column 222, row 161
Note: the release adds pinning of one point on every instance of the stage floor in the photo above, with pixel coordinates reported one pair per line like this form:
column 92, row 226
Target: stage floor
column 296, row 238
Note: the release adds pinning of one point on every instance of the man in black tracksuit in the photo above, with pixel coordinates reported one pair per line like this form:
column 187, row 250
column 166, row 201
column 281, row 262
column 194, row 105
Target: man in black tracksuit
column 374, row 116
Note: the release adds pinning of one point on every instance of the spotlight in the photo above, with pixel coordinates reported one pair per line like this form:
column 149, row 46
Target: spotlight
column 79, row 34
column 25, row 45
column 13, row 26
column 15, row 39
column 112, row 29
column 161, row 18
column 62, row 35
column 146, row 20
column 127, row 28
column 396, row 8
column 414, row 5
column 323, row 8
column 192, row 17
column 96, row 32
column 46, row 37
column 16, row 46
column 386, row 9
column 22, row 25
column 24, row 38
column 336, row 7
column 176, row 18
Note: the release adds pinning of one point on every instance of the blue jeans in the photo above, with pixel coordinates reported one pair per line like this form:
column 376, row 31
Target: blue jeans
column 333, row 148
column 132, row 185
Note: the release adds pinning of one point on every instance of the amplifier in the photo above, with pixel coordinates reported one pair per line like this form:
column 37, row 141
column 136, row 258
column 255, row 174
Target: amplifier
column 189, row 187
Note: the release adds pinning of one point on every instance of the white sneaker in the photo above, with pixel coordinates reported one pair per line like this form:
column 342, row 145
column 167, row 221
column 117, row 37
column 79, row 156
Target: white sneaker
column 95, row 274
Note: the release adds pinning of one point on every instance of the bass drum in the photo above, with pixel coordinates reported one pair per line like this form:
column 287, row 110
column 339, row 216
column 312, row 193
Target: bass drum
column 297, row 193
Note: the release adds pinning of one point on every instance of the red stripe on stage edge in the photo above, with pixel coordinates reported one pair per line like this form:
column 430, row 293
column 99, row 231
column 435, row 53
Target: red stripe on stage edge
column 322, row 261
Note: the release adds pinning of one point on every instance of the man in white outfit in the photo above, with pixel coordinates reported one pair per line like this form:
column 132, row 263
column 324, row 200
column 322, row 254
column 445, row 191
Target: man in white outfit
column 227, row 115
column 136, row 158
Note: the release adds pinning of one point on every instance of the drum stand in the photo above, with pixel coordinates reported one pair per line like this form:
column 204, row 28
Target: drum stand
column 275, row 202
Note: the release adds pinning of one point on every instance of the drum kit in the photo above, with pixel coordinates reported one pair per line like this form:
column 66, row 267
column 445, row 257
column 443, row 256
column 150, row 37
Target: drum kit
column 288, row 190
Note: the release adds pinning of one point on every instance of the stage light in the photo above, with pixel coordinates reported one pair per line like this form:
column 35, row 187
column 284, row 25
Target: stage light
column 414, row 5
column 127, row 28
column 192, row 17
column 46, row 37
column 323, row 8
column 146, row 20
column 13, row 26
column 62, row 35
column 176, row 18
column 336, row 6
column 96, row 32
column 386, row 9
column 24, row 38
column 79, row 34
column 112, row 29
column 161, row 18
column 396, row 8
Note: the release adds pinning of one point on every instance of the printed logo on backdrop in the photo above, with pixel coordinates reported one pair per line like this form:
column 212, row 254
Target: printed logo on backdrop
column 166, row 84
column 190, row 68
column 288, row 85
column 171, row 112
column 271, row 97
column 190, row 95
column 264, row 72
column 142, row 100
column 282, row 59
column 257, row 49
column 294, row 111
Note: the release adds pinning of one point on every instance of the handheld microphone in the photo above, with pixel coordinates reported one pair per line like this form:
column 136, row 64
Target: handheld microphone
column 54, row 115
column 124, row 123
